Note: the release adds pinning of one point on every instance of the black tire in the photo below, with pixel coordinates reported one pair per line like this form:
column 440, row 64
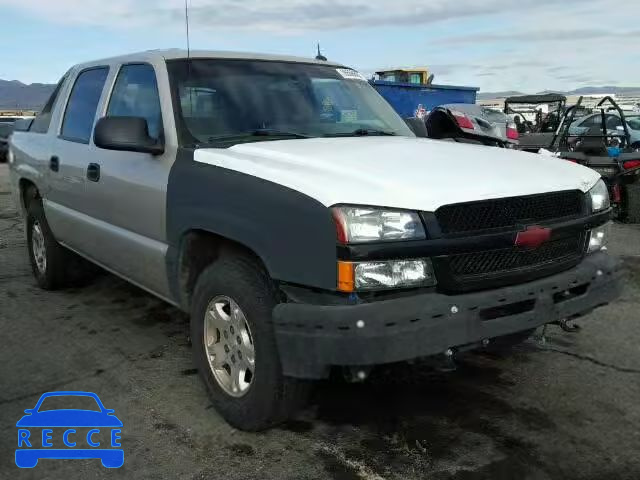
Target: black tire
column 63, row 267
column 271, row 397
column 633, row 203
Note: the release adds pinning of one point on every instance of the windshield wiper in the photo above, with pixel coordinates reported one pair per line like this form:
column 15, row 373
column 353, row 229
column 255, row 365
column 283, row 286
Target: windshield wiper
column 363, row 132
column 261, row 132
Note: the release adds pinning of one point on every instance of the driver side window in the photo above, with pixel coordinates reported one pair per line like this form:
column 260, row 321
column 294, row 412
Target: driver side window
column 136, row 95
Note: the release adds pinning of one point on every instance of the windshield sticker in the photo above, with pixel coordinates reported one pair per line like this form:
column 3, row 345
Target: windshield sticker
column 348, row 116
column 350, row 74
column 327, row 104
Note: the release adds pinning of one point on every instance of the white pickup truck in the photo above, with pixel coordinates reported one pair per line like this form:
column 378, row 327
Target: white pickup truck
column 286, row 206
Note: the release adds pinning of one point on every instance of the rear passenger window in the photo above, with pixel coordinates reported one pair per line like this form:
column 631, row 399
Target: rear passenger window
column 83, row 103
column 43, row 119
column 136, row 95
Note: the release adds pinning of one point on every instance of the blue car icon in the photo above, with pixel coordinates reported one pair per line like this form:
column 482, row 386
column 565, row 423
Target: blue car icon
column 102, row 438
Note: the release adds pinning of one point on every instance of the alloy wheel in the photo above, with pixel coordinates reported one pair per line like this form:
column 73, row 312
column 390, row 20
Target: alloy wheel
column 229, row 346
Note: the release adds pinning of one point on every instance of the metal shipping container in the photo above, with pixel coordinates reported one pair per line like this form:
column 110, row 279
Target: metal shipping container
column 406, row 97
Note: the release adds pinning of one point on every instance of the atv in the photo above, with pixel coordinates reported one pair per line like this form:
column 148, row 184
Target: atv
column 609, row 152
column 535, row 127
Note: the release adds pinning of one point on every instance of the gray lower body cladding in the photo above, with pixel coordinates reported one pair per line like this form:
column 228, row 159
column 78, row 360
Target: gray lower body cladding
column 291, row 233
column 312, row 338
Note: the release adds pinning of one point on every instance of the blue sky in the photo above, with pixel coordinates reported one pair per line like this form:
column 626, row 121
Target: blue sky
column 526, row 45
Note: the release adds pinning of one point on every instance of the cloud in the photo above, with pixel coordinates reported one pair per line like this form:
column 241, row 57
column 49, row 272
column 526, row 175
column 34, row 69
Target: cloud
column 542, row 35
column 274, row 15
column 525, row 45
column 575, row 78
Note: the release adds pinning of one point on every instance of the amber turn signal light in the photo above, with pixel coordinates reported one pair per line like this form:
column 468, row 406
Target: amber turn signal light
column 346, row 277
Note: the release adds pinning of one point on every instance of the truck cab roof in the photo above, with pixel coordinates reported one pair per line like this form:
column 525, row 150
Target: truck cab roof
column 181, row 54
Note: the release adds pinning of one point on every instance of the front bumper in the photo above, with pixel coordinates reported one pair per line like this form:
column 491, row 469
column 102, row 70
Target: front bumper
column 312, row 338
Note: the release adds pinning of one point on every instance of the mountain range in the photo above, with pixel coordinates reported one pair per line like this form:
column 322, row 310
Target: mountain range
column 579, row 91
column 15, row 95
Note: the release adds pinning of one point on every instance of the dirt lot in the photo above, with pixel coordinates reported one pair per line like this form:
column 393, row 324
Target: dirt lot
column 568, row 409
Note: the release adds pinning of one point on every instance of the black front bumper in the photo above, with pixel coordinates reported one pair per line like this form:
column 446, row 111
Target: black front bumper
column 312, row 338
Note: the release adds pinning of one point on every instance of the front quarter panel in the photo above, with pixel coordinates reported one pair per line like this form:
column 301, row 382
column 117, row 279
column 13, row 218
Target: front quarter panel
column 292, row 233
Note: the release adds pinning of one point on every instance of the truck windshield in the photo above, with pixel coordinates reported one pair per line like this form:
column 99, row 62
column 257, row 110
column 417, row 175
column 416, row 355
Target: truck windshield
column 220, row 103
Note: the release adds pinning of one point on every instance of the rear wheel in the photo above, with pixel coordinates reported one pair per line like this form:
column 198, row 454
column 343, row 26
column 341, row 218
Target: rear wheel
column 53, row 265
column 235, row 348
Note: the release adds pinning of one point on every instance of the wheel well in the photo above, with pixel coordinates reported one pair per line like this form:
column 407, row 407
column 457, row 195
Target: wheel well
column 199, row 249
column 28, row 192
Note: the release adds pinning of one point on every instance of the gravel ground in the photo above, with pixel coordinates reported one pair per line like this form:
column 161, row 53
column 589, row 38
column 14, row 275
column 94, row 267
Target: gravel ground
column 566, row 409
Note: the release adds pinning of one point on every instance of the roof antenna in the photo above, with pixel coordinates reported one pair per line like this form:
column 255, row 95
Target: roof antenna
column 319, row 56
column 186, row 20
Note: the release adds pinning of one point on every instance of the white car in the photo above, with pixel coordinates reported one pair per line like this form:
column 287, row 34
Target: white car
column 284, row 204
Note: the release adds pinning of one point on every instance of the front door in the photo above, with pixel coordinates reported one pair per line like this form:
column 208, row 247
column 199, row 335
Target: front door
column 128, row 197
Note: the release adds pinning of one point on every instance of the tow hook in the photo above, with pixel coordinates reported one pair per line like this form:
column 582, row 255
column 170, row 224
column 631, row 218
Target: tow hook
column 567, row 325
column 447, row 361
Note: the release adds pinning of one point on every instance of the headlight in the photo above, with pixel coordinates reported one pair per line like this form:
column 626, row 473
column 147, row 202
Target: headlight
column 598, row 238
column 377, row 275
column 599, row 197
column 366, row 224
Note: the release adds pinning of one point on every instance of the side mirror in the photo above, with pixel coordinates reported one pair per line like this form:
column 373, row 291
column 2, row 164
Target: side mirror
column 128, row 134
column 109, row 411
column 29, row 411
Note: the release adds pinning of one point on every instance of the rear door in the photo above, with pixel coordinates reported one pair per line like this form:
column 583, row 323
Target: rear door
column 66, row 204
column 32, row 148
column 128, row 200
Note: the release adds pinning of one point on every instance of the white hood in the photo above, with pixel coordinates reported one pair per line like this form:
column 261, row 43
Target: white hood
column 400, row 172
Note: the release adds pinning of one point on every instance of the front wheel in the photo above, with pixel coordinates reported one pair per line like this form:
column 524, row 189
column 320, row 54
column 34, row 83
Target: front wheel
column 235, row 348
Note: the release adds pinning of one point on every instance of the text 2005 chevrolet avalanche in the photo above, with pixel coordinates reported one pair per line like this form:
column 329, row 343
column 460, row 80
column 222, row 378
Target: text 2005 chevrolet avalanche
column 295, row 216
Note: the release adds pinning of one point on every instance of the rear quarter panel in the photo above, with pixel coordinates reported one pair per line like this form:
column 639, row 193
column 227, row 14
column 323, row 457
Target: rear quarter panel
column 29, row 151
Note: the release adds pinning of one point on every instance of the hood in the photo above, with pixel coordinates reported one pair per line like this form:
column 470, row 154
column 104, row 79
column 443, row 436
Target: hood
column 399, row 172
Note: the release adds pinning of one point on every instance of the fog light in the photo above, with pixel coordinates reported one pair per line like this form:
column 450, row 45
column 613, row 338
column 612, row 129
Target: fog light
column 598, row 238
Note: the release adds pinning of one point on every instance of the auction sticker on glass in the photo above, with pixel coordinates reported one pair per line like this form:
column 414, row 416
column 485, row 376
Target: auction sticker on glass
column 350, row 74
